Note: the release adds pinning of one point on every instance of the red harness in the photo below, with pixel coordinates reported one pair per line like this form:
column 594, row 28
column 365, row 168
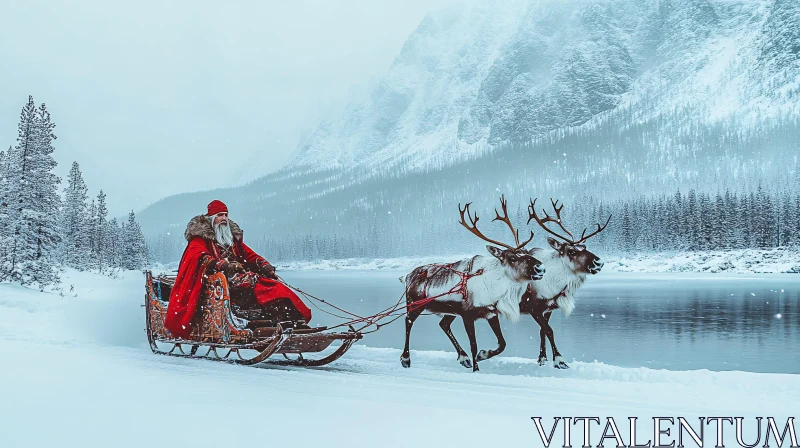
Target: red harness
column 459, row 288
column 552, row 304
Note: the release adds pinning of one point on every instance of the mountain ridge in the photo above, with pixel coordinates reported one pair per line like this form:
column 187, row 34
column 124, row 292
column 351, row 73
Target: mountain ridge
column 559, row 65
column 611, row 99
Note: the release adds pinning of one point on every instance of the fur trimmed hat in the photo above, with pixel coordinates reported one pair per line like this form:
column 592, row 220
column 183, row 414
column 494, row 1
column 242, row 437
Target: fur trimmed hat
column 215, row 207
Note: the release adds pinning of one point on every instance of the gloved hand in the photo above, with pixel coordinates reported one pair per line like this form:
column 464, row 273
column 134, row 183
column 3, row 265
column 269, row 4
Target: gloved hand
column 229, row 268
column 268, row 271
column 232, row 267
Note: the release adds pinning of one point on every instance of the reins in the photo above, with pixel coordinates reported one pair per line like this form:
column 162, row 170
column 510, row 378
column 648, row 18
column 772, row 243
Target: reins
column 397, row 310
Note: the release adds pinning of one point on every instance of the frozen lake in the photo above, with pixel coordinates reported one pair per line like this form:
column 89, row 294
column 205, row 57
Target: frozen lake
column 671, row 321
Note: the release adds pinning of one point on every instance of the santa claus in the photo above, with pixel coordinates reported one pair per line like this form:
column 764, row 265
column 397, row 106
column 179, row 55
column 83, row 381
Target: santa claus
column 216, row 245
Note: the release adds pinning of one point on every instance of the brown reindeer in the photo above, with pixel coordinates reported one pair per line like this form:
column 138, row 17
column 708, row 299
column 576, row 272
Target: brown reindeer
column 479, row 287
column 567, row 266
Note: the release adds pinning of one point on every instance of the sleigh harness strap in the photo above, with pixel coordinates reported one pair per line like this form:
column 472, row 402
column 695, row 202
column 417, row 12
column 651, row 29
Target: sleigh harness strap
column 459, row 288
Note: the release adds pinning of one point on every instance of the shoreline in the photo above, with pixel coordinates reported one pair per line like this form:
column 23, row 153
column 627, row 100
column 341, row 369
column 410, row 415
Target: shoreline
column 738, row 261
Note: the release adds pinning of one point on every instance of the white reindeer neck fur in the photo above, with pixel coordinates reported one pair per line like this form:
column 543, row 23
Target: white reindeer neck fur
column 558, row 274
column 492, row 288
column 495, row 287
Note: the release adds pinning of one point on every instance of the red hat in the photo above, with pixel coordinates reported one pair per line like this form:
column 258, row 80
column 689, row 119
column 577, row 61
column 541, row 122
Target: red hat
column 215, row 207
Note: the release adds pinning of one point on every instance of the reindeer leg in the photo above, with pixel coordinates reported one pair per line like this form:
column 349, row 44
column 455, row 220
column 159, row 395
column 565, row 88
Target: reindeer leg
column 494, row 322
column 445, row 326
column 539, row 318
column 558, row 362
column 405, row 358
column 469, row 326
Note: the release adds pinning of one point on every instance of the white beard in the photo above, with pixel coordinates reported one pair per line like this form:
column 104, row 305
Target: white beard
column 222, row 233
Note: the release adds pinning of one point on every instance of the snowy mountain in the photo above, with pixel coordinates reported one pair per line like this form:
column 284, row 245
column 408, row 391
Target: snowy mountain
column 419, row 102
column 473, row 77
column 588, row 101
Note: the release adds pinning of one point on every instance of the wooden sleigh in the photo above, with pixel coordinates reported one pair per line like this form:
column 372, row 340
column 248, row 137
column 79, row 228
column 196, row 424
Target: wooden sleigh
column 216, row 327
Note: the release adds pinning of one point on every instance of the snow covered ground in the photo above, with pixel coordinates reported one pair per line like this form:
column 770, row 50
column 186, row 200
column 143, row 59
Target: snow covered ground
column 77, row 372
column 740, row 261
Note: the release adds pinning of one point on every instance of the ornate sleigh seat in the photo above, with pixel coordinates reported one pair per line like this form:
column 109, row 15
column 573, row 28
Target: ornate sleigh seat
column 217, row 327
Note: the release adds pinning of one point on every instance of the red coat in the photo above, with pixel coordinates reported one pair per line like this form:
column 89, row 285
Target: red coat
column 186, row 292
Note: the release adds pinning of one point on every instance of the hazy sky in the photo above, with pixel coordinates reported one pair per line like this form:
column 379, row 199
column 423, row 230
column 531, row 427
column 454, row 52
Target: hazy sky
column 155, row 98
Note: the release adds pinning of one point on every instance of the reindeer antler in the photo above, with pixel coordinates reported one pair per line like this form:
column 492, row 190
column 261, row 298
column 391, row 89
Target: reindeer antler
column 532, row 215
column 473, row 225
column 571, row 240
column 505, row 219
column 474, row 228
column 599, row 229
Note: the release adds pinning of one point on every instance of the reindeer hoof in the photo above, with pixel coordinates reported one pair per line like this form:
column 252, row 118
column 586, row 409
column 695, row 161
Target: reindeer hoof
column 405, row 361
column 483, row 355
column 464, row 361
column 559, row 363
column 476, row 369
column 542, row 360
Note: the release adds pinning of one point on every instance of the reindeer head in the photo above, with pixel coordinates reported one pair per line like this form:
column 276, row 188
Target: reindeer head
column 574, row 252
column 518, row 262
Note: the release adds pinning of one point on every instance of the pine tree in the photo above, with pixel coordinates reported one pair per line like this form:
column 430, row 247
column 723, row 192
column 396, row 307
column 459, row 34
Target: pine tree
column 134, row 248
column 16, row 163
column 4, row 181
column 730, row 220
column 32, row 217
column 746, row 207
column 787, row 232
column 705, row 222
column 627, row 236
column 763, row 219
column 101, row 239
column 796, row 220
column 642, row 234
column 679, row 230
column 115, row 236
column 75, row 223
column 5, row 205
column 46, row 204
column 719, row 240
column 691, row 220
column 661, row 224
column 656, row 227
column 92, row 231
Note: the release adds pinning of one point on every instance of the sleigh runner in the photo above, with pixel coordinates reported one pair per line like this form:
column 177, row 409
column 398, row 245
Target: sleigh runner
column 217, row 327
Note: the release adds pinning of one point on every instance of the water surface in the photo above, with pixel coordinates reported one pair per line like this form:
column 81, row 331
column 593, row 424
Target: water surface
column 670, row 321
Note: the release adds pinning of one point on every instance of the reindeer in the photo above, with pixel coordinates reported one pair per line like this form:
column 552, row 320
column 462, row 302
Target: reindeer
column 496, row 285
column 567, row 267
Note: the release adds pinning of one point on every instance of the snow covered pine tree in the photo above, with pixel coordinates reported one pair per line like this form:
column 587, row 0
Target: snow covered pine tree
column 75, row 225
column 31, row 188
column 134, row 249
